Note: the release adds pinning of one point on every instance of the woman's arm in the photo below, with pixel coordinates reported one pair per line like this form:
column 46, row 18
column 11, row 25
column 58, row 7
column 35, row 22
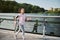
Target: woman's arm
column 15, row 19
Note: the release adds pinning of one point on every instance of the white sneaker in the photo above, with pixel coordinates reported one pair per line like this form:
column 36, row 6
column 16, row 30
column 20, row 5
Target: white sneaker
column 23, row 37
column 15, row 37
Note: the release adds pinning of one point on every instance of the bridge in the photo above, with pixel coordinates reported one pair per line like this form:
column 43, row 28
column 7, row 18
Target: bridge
column 38, row 37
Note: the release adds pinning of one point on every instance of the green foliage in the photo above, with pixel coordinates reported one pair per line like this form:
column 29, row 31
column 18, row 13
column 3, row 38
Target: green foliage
column 12, row 7
column 8, row 6
column 53, row 12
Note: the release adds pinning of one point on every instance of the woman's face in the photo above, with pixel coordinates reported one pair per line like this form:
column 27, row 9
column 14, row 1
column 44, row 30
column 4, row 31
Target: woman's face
column 22, row 10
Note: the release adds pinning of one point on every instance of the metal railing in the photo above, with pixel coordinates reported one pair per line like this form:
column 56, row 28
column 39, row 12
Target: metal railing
column 44, row 19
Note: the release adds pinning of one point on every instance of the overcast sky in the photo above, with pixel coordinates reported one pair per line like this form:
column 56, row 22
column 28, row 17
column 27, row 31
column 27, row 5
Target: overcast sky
column 47, row 4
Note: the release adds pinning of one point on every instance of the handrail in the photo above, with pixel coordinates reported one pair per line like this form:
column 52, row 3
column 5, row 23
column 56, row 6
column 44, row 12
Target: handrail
column 38, row 17
column 33, row 16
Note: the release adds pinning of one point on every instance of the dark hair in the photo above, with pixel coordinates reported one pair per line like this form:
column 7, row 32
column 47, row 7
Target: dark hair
column 20, row 9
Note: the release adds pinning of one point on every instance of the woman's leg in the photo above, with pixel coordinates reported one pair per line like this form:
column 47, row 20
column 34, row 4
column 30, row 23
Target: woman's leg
column 16, row 33
column 22, row 29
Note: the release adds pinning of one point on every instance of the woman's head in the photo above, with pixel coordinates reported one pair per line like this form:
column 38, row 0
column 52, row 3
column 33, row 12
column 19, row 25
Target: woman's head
column 21, row 10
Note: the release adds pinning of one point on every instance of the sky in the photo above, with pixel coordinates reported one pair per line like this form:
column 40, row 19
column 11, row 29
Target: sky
column 46, row 4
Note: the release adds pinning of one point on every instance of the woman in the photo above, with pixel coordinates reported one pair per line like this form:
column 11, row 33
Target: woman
column 21, row 23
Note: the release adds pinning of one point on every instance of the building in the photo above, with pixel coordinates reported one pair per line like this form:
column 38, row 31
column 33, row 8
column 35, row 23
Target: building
column 58, row 9
column 54, row 9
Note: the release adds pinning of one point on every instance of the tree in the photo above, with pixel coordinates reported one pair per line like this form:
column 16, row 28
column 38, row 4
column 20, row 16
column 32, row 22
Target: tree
column 12, row 7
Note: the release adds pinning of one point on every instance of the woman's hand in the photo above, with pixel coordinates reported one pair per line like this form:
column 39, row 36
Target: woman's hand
column 28, row 18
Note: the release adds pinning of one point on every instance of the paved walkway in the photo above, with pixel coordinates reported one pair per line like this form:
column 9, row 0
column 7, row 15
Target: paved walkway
column 9, row 35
